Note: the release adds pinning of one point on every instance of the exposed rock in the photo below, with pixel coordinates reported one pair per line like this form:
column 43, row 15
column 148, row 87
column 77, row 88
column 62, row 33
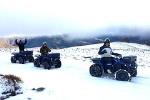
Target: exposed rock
column 40, row 89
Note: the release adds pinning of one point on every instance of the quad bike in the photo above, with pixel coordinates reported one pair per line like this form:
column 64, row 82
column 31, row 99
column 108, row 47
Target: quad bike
column 22, row 57
column 123, row 68
column 48, row 61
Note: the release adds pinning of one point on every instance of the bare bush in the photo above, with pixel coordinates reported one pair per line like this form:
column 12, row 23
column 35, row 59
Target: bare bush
column 10, row 85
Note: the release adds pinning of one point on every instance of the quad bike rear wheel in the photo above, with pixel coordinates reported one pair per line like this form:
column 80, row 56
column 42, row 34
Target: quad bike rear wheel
column 134, row 73
column 46, row 65
column 57, row 64
column 122, row 75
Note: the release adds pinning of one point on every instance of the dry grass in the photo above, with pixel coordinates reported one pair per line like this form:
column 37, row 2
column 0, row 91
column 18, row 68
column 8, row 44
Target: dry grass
column 4, row 43
column 13, row 78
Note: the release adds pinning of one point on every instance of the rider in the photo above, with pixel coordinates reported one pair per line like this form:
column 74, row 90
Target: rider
column 106, row 52
column 21, row 44
column 44, row 49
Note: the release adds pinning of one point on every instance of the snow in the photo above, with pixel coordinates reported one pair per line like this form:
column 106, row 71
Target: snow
column 73, row 82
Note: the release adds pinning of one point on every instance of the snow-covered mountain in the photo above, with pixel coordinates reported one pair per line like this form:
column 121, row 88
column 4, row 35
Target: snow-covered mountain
column 67, row 40
column 73, row 81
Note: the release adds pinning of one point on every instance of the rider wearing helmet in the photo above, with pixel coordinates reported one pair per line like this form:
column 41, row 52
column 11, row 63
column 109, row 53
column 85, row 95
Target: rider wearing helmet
column 45, row 49
column 106, row 52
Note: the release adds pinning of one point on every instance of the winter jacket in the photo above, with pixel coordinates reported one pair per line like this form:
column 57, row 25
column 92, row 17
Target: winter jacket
column 44, row 50
column 21, row 44
column 106, row 51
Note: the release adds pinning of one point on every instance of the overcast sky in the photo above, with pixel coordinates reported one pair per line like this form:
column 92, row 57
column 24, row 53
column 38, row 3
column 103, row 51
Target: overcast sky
column 70, row 16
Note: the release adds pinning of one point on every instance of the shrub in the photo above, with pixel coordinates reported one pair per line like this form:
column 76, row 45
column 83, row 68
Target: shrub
column 10, row 85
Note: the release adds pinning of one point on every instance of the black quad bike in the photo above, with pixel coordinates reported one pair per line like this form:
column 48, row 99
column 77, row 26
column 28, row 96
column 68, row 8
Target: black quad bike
column 48, row 61
column 123, row 68
column 22, row 57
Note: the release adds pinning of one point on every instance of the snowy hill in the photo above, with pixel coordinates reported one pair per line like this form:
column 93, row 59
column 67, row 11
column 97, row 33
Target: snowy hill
column 73, row 81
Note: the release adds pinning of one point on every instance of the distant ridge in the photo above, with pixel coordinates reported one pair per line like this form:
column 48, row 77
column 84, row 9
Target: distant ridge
column 65, row 40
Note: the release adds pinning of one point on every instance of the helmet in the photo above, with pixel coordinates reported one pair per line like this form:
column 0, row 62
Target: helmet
column 107, row 40
column 44, row 43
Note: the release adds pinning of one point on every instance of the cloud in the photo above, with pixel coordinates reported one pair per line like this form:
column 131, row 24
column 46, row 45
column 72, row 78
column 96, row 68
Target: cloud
column 71, row 16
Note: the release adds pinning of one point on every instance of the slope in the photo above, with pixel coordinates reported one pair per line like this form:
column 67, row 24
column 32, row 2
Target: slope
column 73, row 81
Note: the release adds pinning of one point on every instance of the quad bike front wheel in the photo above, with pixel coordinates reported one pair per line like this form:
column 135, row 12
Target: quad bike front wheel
column 13, row 59
column 21, row 60
column 46, row 65
column 96, row 70
column 36, row 63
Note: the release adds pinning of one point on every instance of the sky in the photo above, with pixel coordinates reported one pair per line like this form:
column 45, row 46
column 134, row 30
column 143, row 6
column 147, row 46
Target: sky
column 76, row 17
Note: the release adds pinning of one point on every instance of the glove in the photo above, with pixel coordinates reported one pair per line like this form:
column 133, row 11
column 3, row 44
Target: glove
column 120, row 56
column 104, row 51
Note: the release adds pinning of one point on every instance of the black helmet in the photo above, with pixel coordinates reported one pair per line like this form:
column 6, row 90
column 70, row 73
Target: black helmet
column 107, row 40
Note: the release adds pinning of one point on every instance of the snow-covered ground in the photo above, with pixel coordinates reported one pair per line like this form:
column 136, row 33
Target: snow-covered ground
column 73, row 81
